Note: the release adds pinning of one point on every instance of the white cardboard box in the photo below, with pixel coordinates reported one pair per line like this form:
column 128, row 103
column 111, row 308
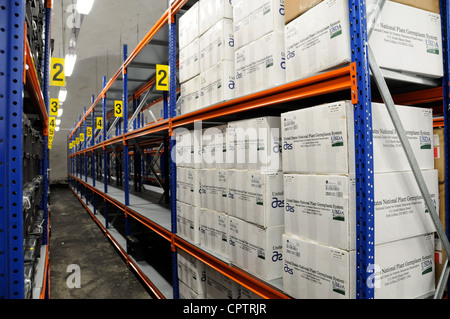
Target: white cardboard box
column 256, row 197
column 187, row 293
column 213, row 188
column 260, row 65
column 214, row 147
column 188, row 186
column 320, row 139
column 219, row 286
column 192, row 272
column 217, row 84
column 255, row 144
column 212, row 11
column 189, row 61
column 190, row 95
column 256, row 249
column 254, row 19
column 405, row 39
column 188, row 222
column 213, row 228
column 188, row 148
column 322, row 208
column 217, row 44
column 189, row 28
column 404, row 269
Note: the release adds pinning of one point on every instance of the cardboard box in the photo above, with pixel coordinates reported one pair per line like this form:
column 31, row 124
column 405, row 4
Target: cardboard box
column 188, row 222
column 188, row 186
column 260, row 65
column 256, row 249
column 428, row 5
column 213, row 188
column 254, row 19
column 439, row 162
column 256, row 197
column 319, row 40
column 254, row 144
column 192, row 272
column 189, row 61
column 190, row 95
column 295, row 8
column 188, row 148
column 214, row 147
column 322, row 208
column 320, row 139
column 219, row 286
column 189, row 28
column 217, row 44
column 187, row 293
column 213, row 228
column 217, row 84
column 245, row 293
column 212, row 11
column 404, row 269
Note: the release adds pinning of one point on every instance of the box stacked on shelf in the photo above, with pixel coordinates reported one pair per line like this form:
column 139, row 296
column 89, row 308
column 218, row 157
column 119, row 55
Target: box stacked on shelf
column 191, row 276
column 319, row 39
column 320, row 203
column 259, row 44
column 206, row 55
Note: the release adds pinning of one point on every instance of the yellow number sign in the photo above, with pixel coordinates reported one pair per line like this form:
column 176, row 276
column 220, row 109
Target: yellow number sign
column 162, row 77
column 118, row 108
column 54, row 107
column 57, row 74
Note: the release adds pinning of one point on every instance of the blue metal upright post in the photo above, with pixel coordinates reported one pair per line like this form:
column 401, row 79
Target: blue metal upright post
column 125, row 129
column 445, row 20
column 172, row 112
column 363, row 153
column 12, row 17
column 93, row 142
column 105, row 159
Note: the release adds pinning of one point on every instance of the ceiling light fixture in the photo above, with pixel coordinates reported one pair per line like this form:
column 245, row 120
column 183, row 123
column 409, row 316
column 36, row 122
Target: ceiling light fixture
column 71, row 59
column 57, row 129
column 62, row 94
column 84, row 6
column 57, row 122
column 60, row 112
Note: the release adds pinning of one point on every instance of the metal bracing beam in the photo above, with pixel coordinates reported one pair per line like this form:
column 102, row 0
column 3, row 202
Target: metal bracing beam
column 140, row 106
column 389, row 102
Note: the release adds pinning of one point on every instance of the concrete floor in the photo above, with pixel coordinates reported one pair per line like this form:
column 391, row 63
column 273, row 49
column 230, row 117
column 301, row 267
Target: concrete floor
column 77, row 240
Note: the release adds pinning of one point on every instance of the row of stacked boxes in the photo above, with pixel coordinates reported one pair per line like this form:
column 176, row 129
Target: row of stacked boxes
column 292, row 214
column 229, row 50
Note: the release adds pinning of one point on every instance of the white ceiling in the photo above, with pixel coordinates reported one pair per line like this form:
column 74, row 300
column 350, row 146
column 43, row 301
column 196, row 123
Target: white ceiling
column 110, row 24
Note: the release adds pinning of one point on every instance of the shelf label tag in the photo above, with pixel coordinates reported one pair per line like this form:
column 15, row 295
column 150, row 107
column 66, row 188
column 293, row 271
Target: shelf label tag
column 54, row 107
column 118, row 108
column 99, row 123
column 89, row 131
column 57, row 74
column 81, row 137
column 77, row 140
column 51, row 122
column 162, row 77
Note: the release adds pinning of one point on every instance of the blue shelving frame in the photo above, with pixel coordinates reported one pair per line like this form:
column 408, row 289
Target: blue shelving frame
column 363, row 139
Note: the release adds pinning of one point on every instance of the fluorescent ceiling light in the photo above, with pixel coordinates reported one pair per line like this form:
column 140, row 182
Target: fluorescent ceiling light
column 57, row 122
column 84, row 6
column 60, row 112
column 62, row 94
column 57, row 129
column 70, row 60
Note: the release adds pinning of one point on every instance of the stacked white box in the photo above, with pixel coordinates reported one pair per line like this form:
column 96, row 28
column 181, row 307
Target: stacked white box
column 320, row 139
column 322, row 208
column 189, row 28
column 256, row 197
column 319, row 39
column 403, row 269
column 190, row 95
column 217, row 44
column 213, row 189
column 187, row 293
column 188, row 222
column 260, row 65
column 214, row 147
column 256, row 249
column 217, row 84
column 255, row 144
column 188, row 186
column 219, row 286
column 254, row 19
column 192, row 272
column 188, row 148
column 213, row 230
column 212, row 11
column 189, row 61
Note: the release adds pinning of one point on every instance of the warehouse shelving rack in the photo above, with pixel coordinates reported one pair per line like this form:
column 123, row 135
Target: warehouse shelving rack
column 353, row 81
column 19, row 83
